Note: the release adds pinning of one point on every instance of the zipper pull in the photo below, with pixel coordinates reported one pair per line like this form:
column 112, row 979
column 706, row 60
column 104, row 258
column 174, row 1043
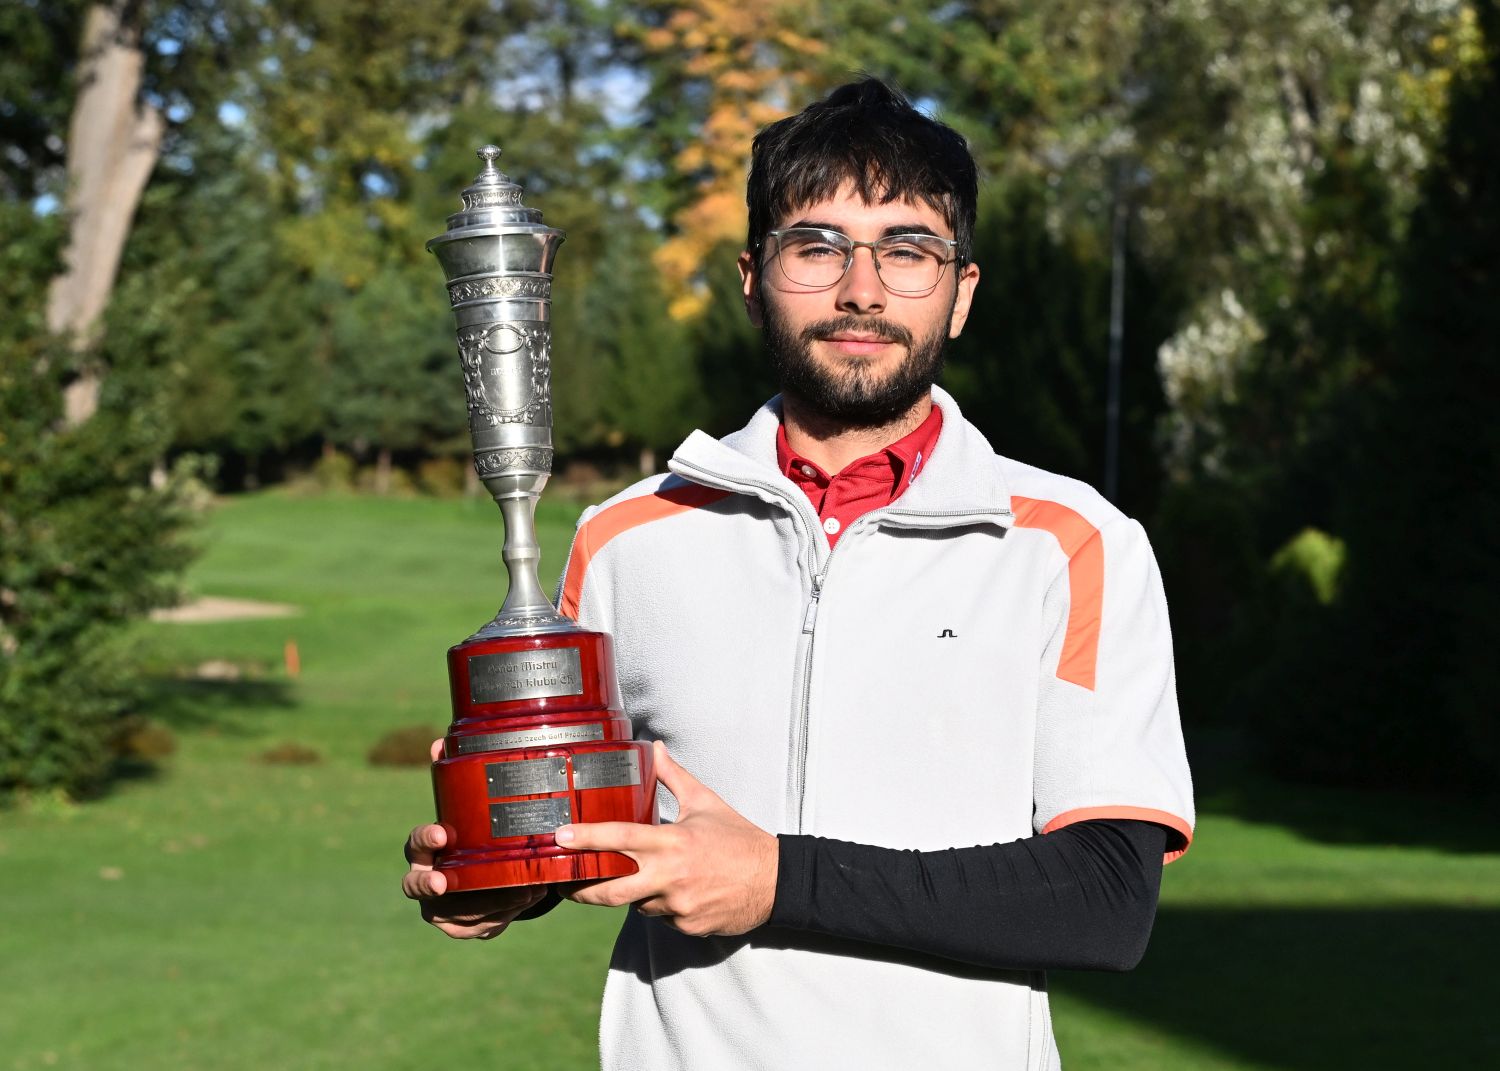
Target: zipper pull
column 811, row 617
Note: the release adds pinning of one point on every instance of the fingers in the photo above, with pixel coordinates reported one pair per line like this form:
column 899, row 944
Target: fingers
column 482, row 914
column 691, row 793
column 423, row 843
column 653, row 907
column 613, row 892
column 424, row 884
column 679, row 782
column 626, row 837
column 436, row 750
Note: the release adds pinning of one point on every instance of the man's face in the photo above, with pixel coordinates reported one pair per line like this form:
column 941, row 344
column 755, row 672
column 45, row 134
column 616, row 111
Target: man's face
column 856, row 352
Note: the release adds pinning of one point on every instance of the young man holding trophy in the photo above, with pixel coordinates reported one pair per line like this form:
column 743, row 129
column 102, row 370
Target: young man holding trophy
column 913, row 701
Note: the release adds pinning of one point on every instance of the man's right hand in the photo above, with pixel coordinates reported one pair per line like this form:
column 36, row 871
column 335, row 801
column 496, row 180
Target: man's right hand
column 481, row 914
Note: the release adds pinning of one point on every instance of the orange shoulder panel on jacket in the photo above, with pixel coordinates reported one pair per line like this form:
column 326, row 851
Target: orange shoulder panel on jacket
column 621, row 517
column 1085, row 550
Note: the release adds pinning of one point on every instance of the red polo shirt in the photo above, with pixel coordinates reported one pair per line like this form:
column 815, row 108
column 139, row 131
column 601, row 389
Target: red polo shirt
column 863, row 485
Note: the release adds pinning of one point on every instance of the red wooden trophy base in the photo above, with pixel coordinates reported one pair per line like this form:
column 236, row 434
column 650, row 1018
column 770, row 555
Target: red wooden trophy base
column 538, row 740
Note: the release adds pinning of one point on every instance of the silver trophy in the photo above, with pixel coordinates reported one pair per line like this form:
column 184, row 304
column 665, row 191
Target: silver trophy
column 497, row 256
column 539, row 737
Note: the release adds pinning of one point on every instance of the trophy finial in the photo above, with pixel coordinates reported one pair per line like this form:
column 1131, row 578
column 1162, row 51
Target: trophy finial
column 493, row 199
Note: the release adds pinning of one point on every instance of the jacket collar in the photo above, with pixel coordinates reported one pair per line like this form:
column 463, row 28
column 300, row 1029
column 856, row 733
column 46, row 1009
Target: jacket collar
column 961, row 478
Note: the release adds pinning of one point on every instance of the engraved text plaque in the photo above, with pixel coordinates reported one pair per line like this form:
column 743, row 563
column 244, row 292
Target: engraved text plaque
column 546, row 736
column 509, row 675
column 606, row 769
column 527, row 818
column 527, row 777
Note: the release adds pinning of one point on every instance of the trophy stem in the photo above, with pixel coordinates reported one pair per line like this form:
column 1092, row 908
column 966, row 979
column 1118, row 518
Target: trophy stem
column 527, row 610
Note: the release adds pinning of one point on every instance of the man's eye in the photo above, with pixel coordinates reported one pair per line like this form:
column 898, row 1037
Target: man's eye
column 905, row 254
column 813, row 251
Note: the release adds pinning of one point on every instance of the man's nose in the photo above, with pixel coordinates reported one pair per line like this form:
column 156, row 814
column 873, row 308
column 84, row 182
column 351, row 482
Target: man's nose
column 860, row 290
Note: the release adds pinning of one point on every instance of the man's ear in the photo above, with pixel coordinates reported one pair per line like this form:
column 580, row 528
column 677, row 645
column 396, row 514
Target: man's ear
column 749, row 280
column 968, row 279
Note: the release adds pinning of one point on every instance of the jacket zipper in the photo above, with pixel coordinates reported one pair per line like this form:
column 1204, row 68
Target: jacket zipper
column 797, row 742
column 797, row 795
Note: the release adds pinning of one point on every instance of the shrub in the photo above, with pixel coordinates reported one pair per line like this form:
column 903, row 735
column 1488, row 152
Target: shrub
column 441, row 476
column 291, row 754
column 144, row 740
column 408, row 746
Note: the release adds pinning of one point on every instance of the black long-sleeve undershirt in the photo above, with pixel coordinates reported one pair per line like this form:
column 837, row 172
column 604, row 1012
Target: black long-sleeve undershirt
column 1083, row 897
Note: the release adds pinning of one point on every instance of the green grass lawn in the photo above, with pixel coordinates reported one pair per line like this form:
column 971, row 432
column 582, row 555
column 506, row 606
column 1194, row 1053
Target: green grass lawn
column 230, row 913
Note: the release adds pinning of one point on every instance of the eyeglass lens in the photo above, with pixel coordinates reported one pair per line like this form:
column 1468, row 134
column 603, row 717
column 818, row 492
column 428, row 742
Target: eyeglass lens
column 906, row 262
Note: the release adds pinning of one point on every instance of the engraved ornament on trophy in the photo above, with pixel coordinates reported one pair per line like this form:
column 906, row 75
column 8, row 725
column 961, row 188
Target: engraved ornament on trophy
column 538, row 738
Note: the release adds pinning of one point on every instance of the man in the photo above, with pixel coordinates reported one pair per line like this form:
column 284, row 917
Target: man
column 925, row 693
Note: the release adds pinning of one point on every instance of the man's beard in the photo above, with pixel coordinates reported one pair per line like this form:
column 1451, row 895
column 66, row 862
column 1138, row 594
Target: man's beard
column 849, row 393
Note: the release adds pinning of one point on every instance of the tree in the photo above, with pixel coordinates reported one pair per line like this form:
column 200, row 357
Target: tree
column 720, row 70
column 86, row 543
column 1394, row 682
column 652, row 389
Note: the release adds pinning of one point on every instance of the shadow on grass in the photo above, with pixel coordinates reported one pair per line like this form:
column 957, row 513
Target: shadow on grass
column 1317, row 989
column 1227, row 783
column 224, row 706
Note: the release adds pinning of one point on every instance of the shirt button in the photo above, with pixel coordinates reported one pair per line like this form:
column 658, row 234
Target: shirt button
column 832, row 526
column 808, row 470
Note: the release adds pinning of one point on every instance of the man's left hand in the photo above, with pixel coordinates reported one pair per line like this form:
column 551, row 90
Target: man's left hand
column 711, row 872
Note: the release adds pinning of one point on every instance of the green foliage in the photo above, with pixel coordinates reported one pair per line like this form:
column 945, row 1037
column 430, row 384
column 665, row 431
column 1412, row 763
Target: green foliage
column 1398, row 678
column 38, row 49
column 651, row 395
column 731, row 364
column 1270, row 155
column 393, row 381
column 1310, row 564
column 1031, row 365
column 86, row 543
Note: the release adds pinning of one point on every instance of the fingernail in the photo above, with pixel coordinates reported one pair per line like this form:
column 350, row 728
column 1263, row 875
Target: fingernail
column 564, row 835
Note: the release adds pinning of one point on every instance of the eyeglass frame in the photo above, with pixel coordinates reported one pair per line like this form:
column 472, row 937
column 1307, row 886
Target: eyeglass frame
column 951, row 243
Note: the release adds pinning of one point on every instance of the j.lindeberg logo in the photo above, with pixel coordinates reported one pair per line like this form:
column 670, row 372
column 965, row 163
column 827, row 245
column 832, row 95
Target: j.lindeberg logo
column 947, row 634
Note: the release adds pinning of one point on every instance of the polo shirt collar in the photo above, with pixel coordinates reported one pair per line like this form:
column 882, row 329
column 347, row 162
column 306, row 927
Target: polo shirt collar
column 895, row 465
column 962, row 476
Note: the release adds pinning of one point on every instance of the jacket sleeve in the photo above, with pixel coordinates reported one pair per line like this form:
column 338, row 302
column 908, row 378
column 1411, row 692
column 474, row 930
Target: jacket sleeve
column 1108, row 739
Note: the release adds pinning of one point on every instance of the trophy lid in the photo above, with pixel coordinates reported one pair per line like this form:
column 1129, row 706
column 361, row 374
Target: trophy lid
column 492, row 203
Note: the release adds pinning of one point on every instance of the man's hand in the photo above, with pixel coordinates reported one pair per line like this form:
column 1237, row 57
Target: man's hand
column 481, row 914
column 711, row 872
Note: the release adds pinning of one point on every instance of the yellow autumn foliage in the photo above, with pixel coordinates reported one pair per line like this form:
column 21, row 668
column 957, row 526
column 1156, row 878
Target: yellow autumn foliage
column 754, row 63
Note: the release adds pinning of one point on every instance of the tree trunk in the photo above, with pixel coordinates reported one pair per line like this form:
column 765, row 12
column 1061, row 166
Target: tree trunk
column 648, row 461
column 113, row 144
column 383, row 471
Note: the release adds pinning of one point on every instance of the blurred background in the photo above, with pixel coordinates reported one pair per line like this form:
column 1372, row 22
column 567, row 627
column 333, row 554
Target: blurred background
column 1241, row 270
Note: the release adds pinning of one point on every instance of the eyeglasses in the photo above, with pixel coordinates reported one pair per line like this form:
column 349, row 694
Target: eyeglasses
column 906, row 263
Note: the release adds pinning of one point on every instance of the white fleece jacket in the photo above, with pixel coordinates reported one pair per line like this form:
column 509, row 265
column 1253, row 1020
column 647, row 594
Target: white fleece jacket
column 985, row 659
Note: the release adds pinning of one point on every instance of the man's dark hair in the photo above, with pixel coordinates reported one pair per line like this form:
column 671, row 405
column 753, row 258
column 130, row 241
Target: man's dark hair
column 868, row 135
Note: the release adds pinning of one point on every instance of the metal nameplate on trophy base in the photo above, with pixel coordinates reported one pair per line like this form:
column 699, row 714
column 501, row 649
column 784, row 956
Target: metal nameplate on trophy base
column 546, row 736
column 529, row 818
column 606, row 769
column 510, row 675
column 530, row 683
column 527, row 777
